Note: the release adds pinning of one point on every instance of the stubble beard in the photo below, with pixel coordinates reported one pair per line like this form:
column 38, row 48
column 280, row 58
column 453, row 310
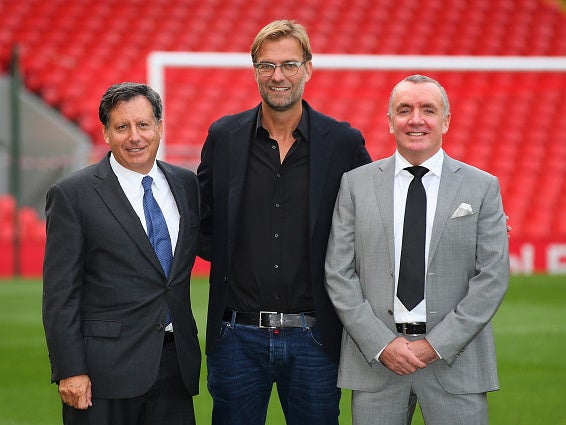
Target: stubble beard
column 294, row 97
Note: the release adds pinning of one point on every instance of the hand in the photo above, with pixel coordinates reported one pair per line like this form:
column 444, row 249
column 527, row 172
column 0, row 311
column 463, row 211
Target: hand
column 399, row 359
column 423, row 350
column 76, row 391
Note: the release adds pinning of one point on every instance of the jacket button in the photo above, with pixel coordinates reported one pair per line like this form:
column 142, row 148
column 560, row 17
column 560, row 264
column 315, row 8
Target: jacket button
column 159, row 327
column 390, row 312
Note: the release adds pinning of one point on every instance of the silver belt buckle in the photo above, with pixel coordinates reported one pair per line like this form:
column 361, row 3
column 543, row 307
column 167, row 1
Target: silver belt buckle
column 261, row 313
column 404, row 328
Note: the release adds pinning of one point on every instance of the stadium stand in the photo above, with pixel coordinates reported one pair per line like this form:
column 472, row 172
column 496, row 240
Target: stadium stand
column 508, row 123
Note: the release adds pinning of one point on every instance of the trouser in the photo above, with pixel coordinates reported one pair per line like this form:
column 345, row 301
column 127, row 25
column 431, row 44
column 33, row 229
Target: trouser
column 167, row 401
column 248, row 360
column 393, row 404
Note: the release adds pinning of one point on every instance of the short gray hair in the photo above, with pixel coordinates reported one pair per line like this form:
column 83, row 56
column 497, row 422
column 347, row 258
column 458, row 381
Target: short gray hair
column 419, row 79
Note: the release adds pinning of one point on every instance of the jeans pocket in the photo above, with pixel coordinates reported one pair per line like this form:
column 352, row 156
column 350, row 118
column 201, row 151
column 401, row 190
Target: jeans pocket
column 224, row 331
column 314, row 335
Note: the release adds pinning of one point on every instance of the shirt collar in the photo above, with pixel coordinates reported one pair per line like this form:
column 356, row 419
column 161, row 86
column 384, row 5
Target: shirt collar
column 132, row 178
column 302, row 127
column 434, row 163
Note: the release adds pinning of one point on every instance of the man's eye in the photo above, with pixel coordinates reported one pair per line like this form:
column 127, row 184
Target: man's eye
column 264, row 67
column 290, row 66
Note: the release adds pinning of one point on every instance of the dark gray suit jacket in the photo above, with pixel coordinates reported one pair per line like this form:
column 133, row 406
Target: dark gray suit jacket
column 335, row 148
column 105, row 294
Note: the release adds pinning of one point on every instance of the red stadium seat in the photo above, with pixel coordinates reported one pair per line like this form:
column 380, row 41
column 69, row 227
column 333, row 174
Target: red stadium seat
column 72, row 51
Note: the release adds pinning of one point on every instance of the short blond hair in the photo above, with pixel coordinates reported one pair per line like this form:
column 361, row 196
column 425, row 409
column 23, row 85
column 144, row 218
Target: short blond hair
column 283, row 28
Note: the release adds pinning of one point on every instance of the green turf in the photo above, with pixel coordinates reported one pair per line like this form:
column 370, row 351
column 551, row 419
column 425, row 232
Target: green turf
column 530, row 336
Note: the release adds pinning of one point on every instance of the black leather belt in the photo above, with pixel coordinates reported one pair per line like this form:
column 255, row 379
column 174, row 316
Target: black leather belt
column 272, row 320
column 169, row 337
column 411, row 328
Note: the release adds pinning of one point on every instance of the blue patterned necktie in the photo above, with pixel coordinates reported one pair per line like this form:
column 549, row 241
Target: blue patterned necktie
column 157, row 231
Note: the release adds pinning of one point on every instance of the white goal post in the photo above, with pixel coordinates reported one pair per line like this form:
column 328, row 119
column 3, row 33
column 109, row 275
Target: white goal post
column 158, row 61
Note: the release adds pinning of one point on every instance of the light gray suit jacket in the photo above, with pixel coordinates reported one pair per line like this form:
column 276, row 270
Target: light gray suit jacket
column 467, row 276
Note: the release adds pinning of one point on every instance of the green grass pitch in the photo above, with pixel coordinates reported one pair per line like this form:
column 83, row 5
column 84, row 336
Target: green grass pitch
column 530, row 332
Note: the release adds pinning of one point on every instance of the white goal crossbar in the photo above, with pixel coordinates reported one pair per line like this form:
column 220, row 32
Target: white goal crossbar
column 158, row 61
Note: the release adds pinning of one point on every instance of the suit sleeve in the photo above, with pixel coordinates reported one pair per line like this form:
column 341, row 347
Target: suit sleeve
column 343, row 281
column 62, row 280
column 205, row 174
column 361, row 155
column 486, row 288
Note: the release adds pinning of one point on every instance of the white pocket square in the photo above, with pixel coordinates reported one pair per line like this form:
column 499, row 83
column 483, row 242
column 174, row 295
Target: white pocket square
column 463, row 210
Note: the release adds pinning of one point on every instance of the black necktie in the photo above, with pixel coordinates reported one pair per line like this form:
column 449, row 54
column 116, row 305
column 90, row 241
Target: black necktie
column 410, row 288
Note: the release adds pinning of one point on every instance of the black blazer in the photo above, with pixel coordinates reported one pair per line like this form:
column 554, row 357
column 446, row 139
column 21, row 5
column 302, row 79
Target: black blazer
column 105, row 294
column 335, row 148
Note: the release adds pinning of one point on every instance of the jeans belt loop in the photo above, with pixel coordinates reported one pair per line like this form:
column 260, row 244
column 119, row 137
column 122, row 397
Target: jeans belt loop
column 233, row 321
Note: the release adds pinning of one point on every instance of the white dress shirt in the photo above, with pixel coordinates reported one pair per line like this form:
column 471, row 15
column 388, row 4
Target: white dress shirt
column 131, row 183
column 132, row 187
column 431, row 183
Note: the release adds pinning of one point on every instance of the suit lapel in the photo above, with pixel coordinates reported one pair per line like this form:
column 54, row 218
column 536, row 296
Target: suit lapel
column 238, row 150
column 450, row 182
column 180, row 196
column 319, row 157
column 383, row 183
column 111, row 192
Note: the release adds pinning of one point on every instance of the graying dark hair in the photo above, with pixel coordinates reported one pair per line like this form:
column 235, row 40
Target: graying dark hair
column 124, row 92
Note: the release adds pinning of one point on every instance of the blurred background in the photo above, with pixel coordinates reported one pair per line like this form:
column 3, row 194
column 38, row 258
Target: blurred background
column 57, row 57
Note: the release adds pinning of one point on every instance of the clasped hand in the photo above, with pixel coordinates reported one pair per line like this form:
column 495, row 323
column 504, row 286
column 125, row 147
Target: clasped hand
column 405, row 357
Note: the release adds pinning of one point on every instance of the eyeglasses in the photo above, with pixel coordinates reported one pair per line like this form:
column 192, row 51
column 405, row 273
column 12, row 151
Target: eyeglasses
column 266, row 69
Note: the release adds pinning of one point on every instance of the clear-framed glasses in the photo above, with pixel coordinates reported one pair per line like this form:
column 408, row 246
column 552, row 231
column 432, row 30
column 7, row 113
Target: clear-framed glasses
column 266, row 69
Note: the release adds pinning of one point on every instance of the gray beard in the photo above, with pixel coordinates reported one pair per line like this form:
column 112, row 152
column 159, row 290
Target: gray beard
column 281, row 108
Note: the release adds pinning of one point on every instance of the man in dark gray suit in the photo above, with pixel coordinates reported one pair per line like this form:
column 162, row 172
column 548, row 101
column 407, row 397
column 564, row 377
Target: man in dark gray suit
column 118, row 322
column 437, row 346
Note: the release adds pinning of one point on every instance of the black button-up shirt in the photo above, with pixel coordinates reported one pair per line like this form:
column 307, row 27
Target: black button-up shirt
column 270, row 267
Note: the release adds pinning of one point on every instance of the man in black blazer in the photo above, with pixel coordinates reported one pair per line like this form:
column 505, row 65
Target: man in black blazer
column 120, row 331
column 269, row 178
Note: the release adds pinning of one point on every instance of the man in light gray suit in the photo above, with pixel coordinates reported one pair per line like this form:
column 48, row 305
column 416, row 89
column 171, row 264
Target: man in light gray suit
column 439, row 348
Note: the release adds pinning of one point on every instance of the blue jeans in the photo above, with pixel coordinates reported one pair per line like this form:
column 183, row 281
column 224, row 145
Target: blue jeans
column 247, row 360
